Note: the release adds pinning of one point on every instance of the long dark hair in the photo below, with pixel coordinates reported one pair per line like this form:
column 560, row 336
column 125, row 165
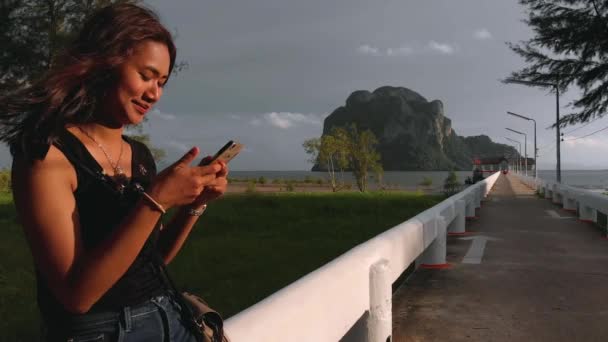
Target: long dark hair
column 73, row 88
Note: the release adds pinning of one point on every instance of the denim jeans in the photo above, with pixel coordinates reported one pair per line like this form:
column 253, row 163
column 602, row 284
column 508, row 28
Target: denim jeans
column 157, row 319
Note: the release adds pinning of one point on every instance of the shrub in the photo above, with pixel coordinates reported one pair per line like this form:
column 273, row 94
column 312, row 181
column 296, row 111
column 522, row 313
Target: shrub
column 451, row 184
column 5, row 180
column 262, row 180
column 250, row 187
column 277, row 181
column 308, row 179
column 426, row 181
column 289, row 186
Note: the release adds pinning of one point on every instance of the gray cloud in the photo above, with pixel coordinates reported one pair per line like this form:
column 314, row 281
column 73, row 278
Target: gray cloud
column 366, row 49
column 287, row 120
column 369, row 50
column 482, row 34
column 444, row 48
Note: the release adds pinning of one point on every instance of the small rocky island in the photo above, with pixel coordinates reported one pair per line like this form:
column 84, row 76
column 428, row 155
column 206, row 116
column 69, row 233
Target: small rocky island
column 413, row 133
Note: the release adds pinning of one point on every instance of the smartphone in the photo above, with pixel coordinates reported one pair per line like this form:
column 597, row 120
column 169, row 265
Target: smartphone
column 226, row 153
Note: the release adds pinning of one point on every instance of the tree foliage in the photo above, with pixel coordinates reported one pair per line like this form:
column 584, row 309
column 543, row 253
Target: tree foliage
column 363, row 155
column 33, row 32
column 569, row 47
column 346, row 148
column 157, row 153
column 322, row 151
column 451, row 185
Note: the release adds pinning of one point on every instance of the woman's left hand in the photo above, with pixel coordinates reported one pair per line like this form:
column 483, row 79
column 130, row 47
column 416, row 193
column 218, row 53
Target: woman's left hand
column 215, row 190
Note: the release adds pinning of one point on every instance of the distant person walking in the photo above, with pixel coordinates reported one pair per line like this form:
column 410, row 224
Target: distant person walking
column 89, row 198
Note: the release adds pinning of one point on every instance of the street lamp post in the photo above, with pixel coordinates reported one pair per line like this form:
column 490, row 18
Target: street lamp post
column 535, row 149
column 558, row 168
column 518, row 157
column 525, row 148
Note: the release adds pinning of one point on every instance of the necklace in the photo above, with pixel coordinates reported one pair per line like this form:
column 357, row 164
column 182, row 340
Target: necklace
column 118, row 171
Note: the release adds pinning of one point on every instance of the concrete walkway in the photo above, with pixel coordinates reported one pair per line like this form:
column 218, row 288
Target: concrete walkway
column 543, row 278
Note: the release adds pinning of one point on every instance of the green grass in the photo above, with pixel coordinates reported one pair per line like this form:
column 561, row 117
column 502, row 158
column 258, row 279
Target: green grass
column 244, row 248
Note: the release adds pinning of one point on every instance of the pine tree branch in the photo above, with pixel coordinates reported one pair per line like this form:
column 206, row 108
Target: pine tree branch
column 598, row 13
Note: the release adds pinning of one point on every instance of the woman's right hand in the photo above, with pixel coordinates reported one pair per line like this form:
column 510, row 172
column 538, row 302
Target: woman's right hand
column 181, row 183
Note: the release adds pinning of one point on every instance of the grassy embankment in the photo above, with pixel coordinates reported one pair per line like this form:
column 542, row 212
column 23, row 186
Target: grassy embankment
column 245, row 247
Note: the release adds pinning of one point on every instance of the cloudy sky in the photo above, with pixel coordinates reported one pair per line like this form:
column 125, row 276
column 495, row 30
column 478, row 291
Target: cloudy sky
column 267, row 72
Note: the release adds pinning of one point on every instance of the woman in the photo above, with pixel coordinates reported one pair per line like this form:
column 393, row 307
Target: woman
column 89, row 199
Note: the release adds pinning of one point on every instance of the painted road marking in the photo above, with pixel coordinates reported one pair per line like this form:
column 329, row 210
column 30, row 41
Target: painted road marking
column 475, row 253
column 555, row 215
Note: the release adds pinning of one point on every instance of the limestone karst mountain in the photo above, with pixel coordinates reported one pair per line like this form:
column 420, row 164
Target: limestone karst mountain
column 413, row 133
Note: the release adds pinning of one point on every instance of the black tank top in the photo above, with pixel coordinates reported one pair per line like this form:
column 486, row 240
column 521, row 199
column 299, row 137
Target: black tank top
column 101, row 207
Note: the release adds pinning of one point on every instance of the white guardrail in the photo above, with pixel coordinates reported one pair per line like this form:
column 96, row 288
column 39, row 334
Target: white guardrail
column 349, row 298
column 590, row 206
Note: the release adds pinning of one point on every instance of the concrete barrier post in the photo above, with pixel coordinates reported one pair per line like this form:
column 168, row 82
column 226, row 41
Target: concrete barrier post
column 436, row 252
column 587, row 213
column 458, row 225
column 541, row 189
column 379, row 322
column 548, row 191
column 557, row 198
column 470, row 212
column 478, row 197
column 569, row 201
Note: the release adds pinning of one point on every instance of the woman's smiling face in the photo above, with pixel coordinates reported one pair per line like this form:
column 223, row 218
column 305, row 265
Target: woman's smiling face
column 140, row 82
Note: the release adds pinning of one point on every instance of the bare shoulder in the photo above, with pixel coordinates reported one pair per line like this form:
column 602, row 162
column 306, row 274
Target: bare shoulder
column 55, row 167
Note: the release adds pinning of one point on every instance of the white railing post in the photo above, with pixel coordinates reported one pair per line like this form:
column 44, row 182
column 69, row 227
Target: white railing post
column 541, row 188
column 478, row 196
column 458, row 224
column 436, row 252
column 587, row 213
column 380, row 320
column 549, row 191
column 569, row 200
column 556, row 194
column 470, row 212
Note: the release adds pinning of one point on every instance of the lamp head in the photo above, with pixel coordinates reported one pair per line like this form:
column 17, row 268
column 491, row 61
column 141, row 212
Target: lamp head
column 529, row 83
column 514, row 131
column 519, row 116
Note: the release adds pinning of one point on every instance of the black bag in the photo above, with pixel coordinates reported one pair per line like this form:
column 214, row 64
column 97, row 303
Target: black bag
column 206, row 322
